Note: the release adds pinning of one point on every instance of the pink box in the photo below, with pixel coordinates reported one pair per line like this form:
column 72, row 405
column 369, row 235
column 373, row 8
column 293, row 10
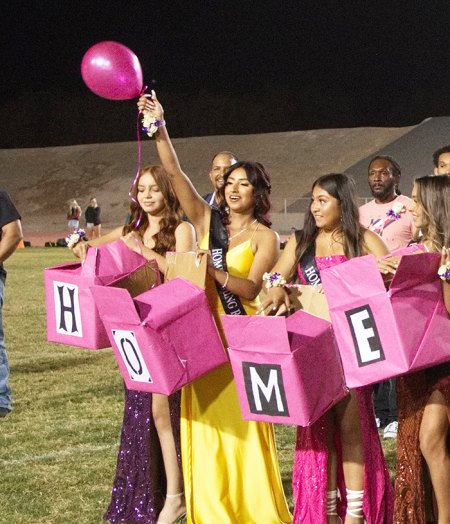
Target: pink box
column 413, row 249
column 384, row 334
column 72, row 317
column 287, row 370
column 162, row 339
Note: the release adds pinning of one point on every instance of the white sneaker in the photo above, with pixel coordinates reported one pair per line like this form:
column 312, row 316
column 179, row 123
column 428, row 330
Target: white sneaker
column 390, row 431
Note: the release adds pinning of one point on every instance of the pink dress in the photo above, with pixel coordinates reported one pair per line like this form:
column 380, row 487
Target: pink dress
column 309, row 478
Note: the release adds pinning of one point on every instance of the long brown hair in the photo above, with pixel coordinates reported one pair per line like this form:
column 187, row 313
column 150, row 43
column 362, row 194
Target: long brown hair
column 343, row 189
column 433, row 195
column 171, row 214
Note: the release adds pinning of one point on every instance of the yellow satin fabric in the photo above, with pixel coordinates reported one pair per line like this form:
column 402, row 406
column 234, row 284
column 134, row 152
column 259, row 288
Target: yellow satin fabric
column 230, row 466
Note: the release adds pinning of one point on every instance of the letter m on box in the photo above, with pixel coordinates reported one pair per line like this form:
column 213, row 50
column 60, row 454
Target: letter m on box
column 265, row 389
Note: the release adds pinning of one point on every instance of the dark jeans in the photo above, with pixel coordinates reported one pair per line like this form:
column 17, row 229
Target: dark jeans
column 385, row 402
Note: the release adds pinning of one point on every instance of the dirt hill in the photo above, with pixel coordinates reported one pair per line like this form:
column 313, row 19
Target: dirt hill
column 42, row 181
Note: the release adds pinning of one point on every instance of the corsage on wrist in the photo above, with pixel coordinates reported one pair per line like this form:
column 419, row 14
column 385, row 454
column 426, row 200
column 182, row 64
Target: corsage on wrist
column 444, row 271
column 273, row 280
column 150, row 124
column 396, row 209
column 72, row 239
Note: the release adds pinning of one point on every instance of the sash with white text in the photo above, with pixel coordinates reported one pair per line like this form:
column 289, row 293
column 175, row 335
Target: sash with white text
column 307, row 263
column 218, row 245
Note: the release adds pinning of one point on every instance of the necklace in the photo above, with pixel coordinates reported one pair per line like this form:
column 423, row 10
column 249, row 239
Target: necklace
column 332, row 241
column 230, row 237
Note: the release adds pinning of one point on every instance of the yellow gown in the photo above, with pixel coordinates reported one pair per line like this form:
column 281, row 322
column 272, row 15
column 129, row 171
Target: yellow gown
column 230, row 466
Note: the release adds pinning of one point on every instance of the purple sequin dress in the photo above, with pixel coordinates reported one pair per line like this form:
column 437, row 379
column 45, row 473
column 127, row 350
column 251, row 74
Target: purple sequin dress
column 309, row 478
column 140, row 485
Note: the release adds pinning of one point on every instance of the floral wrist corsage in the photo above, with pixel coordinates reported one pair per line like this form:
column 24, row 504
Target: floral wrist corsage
column 150, row 125
column 72, row 239
column 273, row 280
column 395, row 210
column 444, row 271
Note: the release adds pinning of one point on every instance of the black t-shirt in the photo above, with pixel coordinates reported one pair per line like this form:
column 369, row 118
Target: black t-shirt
column 92, row 215
column 8, row 213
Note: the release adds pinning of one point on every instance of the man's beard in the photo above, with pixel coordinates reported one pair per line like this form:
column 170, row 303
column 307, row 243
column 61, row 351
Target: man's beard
column 382, row 193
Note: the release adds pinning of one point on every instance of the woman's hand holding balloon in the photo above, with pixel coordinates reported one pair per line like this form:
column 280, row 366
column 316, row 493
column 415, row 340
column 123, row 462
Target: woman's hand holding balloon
column 150, row 104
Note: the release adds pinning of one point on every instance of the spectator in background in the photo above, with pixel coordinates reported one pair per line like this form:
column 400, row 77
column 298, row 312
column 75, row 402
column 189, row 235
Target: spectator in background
column 441, row 161
column 92, row 217
column 73, row 216
column 220, row 163
column 378, row 215
column 387, row 215
column 10, row 236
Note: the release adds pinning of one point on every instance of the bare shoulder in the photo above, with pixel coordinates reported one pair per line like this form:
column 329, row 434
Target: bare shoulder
column 266, row 234
column 265, row 238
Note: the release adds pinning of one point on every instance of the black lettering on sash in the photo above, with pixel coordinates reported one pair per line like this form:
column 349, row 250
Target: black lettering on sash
column 218, row 245
column 365, row 335
column 265, row 389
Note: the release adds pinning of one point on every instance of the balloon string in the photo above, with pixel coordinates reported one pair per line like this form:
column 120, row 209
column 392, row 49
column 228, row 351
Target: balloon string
column 138, row 169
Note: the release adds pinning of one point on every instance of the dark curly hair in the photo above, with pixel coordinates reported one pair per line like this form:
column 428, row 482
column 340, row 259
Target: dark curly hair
column 260, row 181
column 165, row 238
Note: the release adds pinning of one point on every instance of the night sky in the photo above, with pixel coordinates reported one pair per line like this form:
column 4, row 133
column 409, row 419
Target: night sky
column 263, row 65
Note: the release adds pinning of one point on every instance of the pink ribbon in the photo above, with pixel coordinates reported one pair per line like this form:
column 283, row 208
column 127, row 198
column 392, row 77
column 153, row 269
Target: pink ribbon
column 138, row 133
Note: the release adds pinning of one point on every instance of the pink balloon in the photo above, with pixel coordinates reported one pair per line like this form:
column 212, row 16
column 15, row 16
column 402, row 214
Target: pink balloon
column 112, row 71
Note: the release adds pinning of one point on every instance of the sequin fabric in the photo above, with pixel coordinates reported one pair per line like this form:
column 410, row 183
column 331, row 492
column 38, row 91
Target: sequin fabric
column 309, row 479
column 413, row 497
column 139, row 485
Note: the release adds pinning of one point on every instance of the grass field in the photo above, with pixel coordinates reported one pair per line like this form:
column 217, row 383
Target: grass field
column 58, row 448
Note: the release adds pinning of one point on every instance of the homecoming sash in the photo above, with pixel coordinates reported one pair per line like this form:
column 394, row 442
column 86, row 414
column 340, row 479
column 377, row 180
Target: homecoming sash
column 307, row 263
column 218, row 245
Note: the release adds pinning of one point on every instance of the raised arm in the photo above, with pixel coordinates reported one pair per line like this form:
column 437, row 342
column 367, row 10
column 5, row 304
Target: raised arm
column 196, row 209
